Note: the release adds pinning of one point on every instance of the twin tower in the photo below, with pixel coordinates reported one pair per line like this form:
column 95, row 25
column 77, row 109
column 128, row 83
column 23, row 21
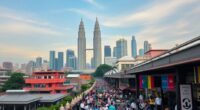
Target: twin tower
column 82, row 46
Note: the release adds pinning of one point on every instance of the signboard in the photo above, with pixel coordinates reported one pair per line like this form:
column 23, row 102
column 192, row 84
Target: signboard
column 186, row 97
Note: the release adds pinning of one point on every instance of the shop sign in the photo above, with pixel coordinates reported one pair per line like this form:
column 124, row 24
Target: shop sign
column 186, row 97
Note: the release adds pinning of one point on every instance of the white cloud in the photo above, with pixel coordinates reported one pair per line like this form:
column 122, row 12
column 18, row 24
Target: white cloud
column 95, row 4
column 147, row 15
column 20, row 28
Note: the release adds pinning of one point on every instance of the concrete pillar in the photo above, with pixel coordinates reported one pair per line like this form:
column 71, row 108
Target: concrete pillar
column 14, row 107
column 35, row 106
column 24, row 107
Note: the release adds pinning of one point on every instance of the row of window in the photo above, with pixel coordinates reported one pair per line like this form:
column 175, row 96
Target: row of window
column 49, row 77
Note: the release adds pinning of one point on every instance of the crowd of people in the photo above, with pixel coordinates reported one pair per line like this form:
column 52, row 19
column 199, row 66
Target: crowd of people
column 104, row 97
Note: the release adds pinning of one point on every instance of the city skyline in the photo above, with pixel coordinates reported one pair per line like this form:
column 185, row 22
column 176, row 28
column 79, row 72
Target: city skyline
column 32, row 24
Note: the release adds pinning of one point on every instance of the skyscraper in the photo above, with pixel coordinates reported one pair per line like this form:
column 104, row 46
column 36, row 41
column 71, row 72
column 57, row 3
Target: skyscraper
column 38, row 62
column 133, row 47
column 52, row 60
column 121, row 48
column 8, row 65
column 141, row 52
column 56, row 64
column 92, row 63
column 72, row 62
column 114, row 52
column 81, row 47
column 97, row 44
column 30, row 67
column 60, row 61
column 107, row 51
column 71, row 59
column 147, row 46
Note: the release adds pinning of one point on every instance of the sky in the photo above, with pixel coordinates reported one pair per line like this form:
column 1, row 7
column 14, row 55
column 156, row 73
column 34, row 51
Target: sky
column 31, row 28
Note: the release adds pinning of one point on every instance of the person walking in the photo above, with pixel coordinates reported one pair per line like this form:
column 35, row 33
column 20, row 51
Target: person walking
column 112, row 107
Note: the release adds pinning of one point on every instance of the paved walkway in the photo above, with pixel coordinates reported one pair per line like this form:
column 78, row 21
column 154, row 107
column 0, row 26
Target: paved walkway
column 104, row 97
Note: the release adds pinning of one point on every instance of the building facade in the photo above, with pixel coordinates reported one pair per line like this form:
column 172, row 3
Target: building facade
column 110, row 61
column 60, row 61
column 8, row 65
column 30, row 67
column 121, row 48
column 107, row 51
column 70, row 59
column 81, row 47
column 97, row 44
column 133, row 47
column 47, row 82
column 141, row 52
column 147, row 46
column 114, row 52
column 38, row 62
column 52, row 60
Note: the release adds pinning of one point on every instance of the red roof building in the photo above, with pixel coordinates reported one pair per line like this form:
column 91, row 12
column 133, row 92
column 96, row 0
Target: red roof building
column 47, row 82
column 155, row 52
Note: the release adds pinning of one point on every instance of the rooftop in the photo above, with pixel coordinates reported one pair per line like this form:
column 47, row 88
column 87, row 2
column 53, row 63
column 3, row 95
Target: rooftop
column 73, row 75
column 23, row 97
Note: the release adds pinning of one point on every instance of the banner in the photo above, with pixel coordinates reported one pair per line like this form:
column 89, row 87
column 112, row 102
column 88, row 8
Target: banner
column 150, row 82
column 170, row 81
column 144, row 81
column 140, row 79
column 164, row 82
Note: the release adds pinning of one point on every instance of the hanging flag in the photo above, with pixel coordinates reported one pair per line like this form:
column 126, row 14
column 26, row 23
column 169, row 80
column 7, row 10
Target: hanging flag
column 164, row 82
column 150, row 82
column 140, row 80
column 144, row 81
column 170, row 81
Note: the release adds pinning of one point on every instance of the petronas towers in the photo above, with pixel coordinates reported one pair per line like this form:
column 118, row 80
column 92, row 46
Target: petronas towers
column 82, row 46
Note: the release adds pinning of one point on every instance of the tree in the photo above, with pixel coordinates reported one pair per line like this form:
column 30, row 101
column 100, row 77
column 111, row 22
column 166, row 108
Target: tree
column 16, row 81
column 101, row 70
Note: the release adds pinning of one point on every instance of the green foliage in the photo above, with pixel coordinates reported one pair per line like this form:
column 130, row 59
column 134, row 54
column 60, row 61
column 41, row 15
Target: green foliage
column 84, row 87
column 43, row 108
column 16, row 81
column 101, row 70
column 68, row 98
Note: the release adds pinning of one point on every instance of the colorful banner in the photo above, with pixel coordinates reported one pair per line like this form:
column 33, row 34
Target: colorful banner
column 164, row 82
column 150, row 82
column 144, row 81
column 170, row 81
column 140, row 79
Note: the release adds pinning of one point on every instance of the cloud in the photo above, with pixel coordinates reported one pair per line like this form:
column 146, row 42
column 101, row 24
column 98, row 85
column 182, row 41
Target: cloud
column 20, row 28
column 155, row 12
column 12, row 22
column 94, row 3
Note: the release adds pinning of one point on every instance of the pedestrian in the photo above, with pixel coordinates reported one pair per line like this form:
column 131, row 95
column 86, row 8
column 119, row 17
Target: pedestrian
column 133, row 105
column 158, row 103
column 82, row 105
column 112, row 107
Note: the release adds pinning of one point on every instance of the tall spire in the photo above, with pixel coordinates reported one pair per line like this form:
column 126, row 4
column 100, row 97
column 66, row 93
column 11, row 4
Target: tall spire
column 81, row 26
column 97, row 44
column 97, row 28
column 81, row 47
